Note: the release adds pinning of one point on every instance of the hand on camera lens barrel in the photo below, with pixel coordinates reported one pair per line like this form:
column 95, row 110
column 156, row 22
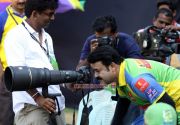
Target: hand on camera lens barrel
column 94, row 44
column 47, row 103
column 171, row 27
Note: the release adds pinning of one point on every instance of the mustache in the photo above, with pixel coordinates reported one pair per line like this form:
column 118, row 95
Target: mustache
column 21, row 3
column 98, row 78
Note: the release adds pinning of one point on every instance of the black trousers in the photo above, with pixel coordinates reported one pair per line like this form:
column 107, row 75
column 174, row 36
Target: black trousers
column 6, row 108
column 132, row 113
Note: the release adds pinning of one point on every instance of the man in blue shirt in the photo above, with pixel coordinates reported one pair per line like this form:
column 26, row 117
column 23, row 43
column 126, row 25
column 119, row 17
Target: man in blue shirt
column 105, row 27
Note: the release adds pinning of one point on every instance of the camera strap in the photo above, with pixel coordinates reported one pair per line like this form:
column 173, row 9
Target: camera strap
column 74, row 110
column 85, row 103
column 12, row 16
column 35, row 39
column 85, row 111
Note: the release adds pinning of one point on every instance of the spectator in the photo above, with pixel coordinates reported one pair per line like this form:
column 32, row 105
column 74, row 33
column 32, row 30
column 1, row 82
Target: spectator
column 9, row 18
column 29, row 45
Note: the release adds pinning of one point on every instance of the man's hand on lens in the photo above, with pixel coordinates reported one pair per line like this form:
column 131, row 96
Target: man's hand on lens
column 47, row 103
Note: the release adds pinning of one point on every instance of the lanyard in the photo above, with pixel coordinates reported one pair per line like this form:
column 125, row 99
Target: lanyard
column 12, row 16
column 35, row 39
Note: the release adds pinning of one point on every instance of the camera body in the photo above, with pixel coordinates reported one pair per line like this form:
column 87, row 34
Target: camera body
column 157, row 43
column 105, row 40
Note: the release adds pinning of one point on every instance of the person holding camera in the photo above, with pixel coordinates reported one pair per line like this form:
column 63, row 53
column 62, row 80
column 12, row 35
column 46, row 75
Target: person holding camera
column 162, row 18
column 143, row 82
column 157, row 42
column 105, row 33
column 172, row 6
column 28, row 44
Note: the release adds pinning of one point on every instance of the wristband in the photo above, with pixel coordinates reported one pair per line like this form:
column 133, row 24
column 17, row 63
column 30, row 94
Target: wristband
column 35, row 96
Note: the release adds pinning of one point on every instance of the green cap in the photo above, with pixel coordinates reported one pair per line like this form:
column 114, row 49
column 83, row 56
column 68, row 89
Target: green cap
column 160, row 114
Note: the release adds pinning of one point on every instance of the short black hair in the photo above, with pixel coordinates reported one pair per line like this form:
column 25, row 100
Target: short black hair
column 164, row 11
column 39, row 5
column 171, row 5
column 105, row 54
column 104, row 22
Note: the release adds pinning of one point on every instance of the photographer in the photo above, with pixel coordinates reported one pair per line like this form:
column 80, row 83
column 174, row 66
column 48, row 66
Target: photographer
column 105, row 33
column 156, row 41
column 106, row 26
column 29, row 45
column 171, row 5
column 162, row 18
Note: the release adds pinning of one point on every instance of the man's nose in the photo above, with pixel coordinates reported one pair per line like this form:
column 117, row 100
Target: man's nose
column 22, row 1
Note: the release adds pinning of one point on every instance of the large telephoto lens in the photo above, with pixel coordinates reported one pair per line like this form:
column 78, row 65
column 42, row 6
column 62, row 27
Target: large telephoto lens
column 21, row 78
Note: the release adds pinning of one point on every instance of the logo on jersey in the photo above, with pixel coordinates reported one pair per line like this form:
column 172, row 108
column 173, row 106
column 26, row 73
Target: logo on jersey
column 168, row 116
column 151, row 93
column 141, row 84
column 143, row 63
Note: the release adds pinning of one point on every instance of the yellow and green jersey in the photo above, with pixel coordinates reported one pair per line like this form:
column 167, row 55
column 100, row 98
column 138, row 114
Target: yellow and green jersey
column 145, row 81
column 8, row 20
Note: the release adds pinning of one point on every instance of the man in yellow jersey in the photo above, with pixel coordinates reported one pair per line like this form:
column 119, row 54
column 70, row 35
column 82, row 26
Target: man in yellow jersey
column 143, row 82
column 9, row 18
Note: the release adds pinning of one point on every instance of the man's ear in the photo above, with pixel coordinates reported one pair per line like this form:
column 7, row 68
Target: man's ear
column 34, row 14
column 113, row 66
column 154, row 19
